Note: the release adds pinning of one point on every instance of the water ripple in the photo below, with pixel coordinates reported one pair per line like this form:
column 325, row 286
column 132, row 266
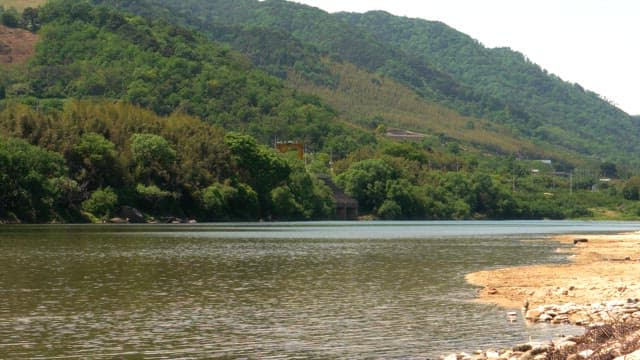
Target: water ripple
column 186, row 293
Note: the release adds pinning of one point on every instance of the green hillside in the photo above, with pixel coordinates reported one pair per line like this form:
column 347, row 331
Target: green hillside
column 80, row 101
column 88, row 52
column 438, row 62
column 302, row 30
column 116, row 110
column 556, row 111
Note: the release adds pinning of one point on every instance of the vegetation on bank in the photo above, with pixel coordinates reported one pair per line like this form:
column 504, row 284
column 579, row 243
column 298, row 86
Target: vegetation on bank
column 115, row 110
column 97, row 156
column 91, row 158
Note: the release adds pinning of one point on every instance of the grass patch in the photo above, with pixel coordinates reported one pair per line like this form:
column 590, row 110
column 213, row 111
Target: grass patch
column 21, row 4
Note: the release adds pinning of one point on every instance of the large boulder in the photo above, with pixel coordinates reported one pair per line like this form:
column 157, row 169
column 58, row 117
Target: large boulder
column 132, row 214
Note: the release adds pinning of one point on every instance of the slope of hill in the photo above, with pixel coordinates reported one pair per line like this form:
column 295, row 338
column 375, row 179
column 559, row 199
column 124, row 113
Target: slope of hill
column 261, row 31
column 372, row 99
column 16, row 45
column 558, row 111
column 316, row 31
column 116, row 102
column 89, row 52
column 434, row 60
column 21, row 4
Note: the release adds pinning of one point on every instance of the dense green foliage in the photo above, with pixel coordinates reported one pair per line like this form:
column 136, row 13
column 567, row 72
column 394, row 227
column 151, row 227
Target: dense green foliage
column 438, row 62
column 100, row 156
column 32, row 181
column 116, row 111
column 89, row 52
column 539, row 104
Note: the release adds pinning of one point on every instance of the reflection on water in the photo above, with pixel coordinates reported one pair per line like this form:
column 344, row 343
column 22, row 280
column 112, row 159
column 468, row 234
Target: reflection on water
column 336, row 290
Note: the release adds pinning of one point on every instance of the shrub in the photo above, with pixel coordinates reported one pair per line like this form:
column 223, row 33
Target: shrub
column 101, row 203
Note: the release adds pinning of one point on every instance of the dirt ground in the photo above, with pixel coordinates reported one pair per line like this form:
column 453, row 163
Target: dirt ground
column 16, row 45
column 606, row 267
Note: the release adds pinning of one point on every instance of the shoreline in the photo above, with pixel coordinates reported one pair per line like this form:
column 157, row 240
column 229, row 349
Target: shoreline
column 598, row 289
column 602, row 268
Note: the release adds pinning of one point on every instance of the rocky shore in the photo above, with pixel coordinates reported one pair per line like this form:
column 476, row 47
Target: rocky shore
column 616, row 311
column 610, row 342
column 612, row 331
column 604, row 267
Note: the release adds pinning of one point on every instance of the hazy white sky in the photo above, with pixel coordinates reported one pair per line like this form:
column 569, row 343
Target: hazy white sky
column 595, row 43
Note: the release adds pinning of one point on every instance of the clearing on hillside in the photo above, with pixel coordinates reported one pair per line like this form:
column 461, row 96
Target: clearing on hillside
column 21, row 4
column 16, row 45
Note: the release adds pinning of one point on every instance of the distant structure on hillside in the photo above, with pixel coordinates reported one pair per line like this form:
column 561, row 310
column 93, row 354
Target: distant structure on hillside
column 400, row 134
column 286, row 146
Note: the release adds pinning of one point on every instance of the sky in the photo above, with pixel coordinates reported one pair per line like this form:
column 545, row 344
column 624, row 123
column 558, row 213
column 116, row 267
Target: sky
column 595, row 43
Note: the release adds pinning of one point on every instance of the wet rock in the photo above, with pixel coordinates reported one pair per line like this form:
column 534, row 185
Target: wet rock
column 540, row 349
column 586, row 353
column 544, row 317
column 568, row 346
column 575, row 357
column 522, row 347
column 633, row 356
column 134, row 215
column 533, row 314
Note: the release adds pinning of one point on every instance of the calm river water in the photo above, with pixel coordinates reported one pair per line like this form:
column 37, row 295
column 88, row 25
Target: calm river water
column 258, row 291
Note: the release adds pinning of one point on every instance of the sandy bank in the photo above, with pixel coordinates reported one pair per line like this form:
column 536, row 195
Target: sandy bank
column 605, row 267
column 600, row 286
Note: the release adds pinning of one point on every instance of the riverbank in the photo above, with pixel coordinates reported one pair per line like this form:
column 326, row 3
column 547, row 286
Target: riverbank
column 599, row 289
column 603, row 268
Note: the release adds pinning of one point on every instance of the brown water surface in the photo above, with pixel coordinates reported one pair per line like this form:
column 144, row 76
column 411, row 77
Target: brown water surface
column 316, row 290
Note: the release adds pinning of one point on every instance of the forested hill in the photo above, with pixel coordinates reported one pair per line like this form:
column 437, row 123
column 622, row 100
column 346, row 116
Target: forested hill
column 557, row 111
column 436, row 61
column 94, row 52
column 115, row 110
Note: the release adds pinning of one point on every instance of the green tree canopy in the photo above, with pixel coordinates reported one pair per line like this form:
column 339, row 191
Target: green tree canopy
column 154, row 159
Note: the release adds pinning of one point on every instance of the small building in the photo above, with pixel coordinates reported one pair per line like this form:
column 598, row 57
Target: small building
column 285, row 147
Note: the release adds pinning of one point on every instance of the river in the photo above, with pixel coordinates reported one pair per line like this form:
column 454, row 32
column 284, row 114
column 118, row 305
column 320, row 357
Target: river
column 322, row 290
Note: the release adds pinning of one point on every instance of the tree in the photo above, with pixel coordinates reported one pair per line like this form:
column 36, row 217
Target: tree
column 30, row 19
column 101, row 204
column 366, row 181
column 28, row 180
column 10, row 18
column 285, row 205
column 631, row 189
column 153, row 158
column 258, row 166
column 608, row 169
column 93, row 161
column 390, row 210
